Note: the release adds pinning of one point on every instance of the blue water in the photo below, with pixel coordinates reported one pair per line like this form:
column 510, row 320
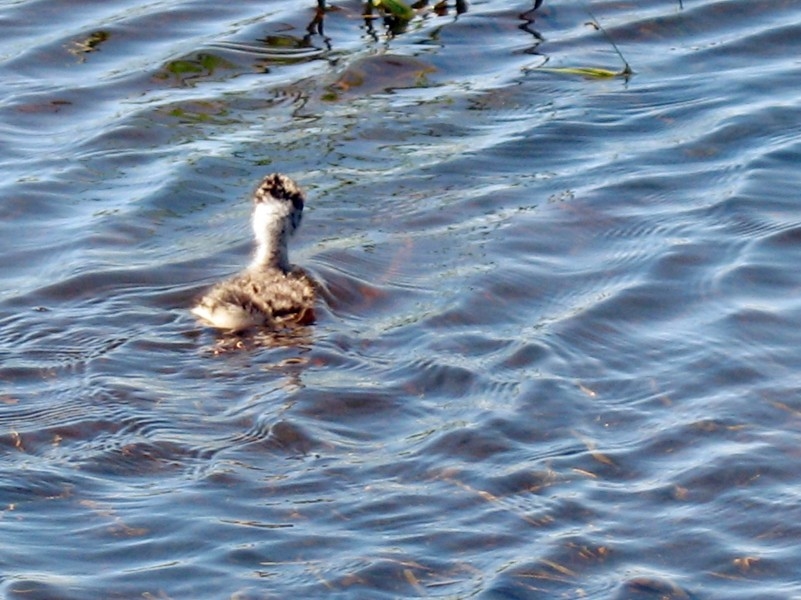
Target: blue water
column 556, row 353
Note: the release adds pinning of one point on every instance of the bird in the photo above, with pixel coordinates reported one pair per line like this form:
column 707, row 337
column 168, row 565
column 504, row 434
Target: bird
column 270, row 292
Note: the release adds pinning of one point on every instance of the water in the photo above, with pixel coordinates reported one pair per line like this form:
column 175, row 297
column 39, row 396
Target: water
column 556, row 355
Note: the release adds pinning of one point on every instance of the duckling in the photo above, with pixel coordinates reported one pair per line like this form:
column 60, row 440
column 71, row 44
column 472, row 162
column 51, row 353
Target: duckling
column 270, row 291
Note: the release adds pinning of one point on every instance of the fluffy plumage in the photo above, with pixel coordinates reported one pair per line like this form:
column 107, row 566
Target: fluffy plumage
column 270, row 291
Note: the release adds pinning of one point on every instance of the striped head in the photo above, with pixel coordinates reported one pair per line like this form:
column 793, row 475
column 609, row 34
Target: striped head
column 278, row 199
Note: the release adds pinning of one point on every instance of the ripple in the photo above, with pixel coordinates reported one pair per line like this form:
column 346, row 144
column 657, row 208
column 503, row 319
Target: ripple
column 555, row 352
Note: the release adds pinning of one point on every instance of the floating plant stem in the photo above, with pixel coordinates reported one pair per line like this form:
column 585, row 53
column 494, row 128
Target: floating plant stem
column 597, row 25
column 594, row 72
column 590, row 72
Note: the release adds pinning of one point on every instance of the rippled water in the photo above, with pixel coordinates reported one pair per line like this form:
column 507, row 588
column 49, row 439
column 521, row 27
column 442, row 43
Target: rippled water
column 557, row 353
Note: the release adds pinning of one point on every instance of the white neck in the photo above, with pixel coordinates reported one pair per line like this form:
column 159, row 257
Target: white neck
column 269, row 227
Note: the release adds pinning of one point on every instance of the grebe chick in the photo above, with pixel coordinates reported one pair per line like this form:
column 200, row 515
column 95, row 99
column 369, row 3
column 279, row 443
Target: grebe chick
column 270, row 291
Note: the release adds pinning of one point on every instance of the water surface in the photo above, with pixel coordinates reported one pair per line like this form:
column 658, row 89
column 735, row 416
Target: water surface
column 556, row 353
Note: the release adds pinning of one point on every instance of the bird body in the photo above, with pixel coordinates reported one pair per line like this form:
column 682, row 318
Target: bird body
column 270, row 291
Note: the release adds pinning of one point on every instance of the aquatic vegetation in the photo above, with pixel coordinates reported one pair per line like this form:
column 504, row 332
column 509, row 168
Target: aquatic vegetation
column 184, row 70
column 380, row 72
column 597, row 25
column 594, row 72
column 90, row 43
column 397, row 8
column 397, row 14
column 588, row 72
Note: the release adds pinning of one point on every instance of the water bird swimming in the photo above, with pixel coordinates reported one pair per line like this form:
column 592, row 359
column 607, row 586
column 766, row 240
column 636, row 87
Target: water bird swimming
column 270, row 291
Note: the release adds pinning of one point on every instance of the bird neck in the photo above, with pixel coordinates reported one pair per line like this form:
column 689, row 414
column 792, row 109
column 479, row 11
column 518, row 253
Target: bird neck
column 271, row 241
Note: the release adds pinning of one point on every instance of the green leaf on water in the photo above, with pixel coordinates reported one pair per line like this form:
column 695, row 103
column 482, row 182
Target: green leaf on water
column 590, row 72
column 398, row 8
column 183, row 66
